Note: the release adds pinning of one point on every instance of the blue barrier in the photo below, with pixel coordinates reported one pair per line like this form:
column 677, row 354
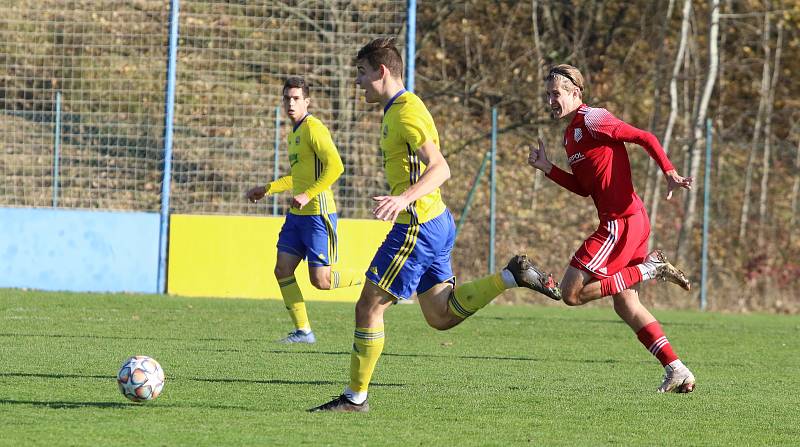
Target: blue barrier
column 88, row 251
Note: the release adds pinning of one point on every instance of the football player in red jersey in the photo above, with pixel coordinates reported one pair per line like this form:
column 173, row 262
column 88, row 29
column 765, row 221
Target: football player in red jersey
column 614, row 259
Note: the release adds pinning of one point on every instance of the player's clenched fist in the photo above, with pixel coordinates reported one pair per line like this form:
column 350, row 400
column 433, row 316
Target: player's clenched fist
column 537, row 157
column 256, row 194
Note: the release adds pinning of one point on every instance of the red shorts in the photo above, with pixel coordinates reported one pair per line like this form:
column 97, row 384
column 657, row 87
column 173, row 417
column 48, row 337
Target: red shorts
column 615, row 244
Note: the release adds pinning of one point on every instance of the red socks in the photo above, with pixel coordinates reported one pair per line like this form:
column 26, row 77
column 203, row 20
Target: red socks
column 653, row 338
column 620, row 281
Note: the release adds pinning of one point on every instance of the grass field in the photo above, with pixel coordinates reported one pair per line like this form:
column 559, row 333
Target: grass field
column 510, row 375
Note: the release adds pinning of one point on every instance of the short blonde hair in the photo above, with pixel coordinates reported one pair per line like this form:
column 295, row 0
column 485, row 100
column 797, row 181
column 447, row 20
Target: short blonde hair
column 567, row 75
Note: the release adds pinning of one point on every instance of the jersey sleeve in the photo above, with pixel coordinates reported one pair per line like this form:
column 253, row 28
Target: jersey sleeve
column 567, row 181
column 325, row 149
column 604, row 125
column 280, row 185
column 415, row 130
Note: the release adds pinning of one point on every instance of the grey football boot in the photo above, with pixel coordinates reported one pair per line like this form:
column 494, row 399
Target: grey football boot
column 527, row 275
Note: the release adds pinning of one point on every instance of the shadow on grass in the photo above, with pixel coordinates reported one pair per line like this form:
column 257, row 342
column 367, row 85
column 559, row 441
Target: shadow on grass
column 60, row 405
column 63, row 404
column 485, row 357
column 553, row 318
column 610, row 320
column 125, row 337
column 392, row 354
column 286, row 382
column 58, row 376
column 196, row 379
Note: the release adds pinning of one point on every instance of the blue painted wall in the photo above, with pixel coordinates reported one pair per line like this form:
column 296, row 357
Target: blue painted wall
column 86, row 251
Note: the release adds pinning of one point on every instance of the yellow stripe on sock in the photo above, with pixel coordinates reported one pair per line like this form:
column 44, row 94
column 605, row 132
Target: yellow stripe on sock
column 287, row 281
column 346, row 278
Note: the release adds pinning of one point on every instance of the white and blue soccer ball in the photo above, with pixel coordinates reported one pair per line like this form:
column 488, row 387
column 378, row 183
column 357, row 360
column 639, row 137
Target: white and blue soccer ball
column 140, row 378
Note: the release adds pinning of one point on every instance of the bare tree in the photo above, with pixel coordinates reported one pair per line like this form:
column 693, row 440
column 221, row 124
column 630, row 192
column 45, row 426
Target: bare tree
column 762, row 202
column 699, row 126
column 719, row 165
column 537, row 47
column 762, row 105
column 673, row 107
column 795, row 190
column 655, row 117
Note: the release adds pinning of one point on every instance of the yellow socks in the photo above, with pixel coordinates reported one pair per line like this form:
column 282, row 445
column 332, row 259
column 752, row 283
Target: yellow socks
column 345, row 278
column 293, row 299
column 367, row 348
column 471, row 297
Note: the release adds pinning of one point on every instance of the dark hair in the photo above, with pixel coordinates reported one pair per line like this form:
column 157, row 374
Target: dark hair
column 382, row 51
column 296, row 82
column 568, row 72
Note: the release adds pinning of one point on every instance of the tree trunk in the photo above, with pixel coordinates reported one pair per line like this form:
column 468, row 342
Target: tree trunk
column 748, row 174
column 673, row 108
column 719, row 140
column 795, row 190
column 762, row 201
column 655, row 117
column 699, row 125
column 537, row 48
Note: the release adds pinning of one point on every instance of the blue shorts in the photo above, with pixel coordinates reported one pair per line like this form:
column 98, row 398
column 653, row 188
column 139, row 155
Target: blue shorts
column 310, row 237
column 414, row 258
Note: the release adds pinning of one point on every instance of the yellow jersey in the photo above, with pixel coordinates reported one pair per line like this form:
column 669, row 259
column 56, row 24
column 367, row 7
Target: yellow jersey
column 315, row 166
column 406, row 125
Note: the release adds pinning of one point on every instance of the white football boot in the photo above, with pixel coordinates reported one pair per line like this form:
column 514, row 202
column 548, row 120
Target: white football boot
column 677, row 379
column 665, row 271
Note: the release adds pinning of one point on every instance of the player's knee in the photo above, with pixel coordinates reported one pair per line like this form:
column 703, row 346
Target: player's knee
column 440, row 324
column 572, row 299
column 364, row 310
column 282, row 272
column 320, row 282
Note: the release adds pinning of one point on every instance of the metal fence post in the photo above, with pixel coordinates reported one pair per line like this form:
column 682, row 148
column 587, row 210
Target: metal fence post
column 411, row 44
column 56, row 149
column 169, row 118
column 492, row 199
column 277, row 161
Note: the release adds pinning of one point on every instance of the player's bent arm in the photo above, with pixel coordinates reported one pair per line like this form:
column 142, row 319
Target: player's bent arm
column 332, row 167
column 280, row 185
column 566, row 180
column 437, row 171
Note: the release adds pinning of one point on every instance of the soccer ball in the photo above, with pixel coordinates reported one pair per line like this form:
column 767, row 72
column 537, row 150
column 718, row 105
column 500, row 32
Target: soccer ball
column 140, row 378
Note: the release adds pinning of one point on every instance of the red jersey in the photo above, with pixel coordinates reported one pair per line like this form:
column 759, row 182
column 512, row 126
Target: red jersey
column 595, row 145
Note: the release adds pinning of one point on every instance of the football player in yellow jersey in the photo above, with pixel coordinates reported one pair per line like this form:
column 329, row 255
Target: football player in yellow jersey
column 310, row 228
column 415, row 257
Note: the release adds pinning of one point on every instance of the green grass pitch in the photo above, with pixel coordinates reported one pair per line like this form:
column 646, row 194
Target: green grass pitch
column 510, row 375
